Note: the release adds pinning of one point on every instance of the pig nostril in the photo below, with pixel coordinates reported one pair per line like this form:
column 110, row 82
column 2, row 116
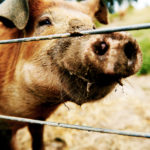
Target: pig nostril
column 130, row 50
column 100, row 48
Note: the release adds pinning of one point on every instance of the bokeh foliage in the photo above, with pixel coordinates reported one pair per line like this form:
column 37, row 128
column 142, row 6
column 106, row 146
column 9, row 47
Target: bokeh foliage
column 110, row 3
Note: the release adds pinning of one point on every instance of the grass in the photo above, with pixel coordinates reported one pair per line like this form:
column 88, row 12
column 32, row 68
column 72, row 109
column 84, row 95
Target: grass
column 143, row 37
column 133, row 16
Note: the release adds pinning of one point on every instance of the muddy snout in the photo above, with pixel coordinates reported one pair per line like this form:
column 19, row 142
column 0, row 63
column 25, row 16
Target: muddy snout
column 114, row 54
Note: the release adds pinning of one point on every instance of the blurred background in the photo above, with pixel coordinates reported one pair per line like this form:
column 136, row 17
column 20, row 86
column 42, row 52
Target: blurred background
column 126, row 108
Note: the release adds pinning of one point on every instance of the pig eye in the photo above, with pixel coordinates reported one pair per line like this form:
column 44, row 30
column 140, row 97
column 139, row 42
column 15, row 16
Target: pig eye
column 45, row 21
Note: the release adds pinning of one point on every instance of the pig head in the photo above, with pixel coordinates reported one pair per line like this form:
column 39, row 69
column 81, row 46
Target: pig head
column 35, row 77
column 77, row 69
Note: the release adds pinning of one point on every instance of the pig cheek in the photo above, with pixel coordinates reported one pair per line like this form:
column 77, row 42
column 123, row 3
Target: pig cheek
column 65, row 59
column 63, row 54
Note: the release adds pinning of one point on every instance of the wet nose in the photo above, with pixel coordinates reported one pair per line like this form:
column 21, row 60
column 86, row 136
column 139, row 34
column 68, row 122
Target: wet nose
column 116, row 54
column 129, row 49
column 100, row 48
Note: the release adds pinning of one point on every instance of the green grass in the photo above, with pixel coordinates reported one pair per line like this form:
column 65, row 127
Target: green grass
column 143, row 38
column 144, row 41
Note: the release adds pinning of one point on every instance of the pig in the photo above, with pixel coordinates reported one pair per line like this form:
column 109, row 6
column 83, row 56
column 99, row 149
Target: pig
column 36, row 77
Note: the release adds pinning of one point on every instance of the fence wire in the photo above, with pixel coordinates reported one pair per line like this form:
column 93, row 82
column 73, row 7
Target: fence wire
column 80, row 33
column 78, row 127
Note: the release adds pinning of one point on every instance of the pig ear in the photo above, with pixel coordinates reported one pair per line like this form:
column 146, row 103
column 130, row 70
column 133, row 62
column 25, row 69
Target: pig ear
column 16, row 11
column 102, row 14
column 98, row 9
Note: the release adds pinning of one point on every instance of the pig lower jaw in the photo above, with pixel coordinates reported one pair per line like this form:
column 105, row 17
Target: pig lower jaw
column 95, row 92
column 81, row 89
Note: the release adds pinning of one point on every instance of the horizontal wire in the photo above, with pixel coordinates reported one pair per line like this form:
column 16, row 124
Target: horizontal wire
column 79, row 33
column 78, row 127
column 64, row 35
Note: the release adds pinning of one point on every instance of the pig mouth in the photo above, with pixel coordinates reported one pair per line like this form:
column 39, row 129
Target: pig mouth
column 102, row 79
column 83, row 89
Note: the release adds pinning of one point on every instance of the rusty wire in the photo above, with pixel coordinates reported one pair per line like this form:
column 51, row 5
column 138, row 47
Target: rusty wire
column 80, row 33
column 78, row 127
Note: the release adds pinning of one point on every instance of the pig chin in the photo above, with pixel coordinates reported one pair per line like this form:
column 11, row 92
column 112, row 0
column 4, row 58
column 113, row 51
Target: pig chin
column 82, row 90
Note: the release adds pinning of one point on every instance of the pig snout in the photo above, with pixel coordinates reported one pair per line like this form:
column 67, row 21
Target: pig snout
column 95, row 64
column 114, row 54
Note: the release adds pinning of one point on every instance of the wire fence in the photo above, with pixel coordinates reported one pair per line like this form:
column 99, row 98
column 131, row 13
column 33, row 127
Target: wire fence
column 80, row 33
column 78, row 127
column 64, row 35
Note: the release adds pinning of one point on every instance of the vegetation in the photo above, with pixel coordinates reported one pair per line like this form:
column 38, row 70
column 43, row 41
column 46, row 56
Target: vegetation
column 110, row 3
column 143, row 38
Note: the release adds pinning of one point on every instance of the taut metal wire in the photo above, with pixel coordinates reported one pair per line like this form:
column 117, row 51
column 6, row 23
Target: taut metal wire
column 80, row 33
column 78, row 127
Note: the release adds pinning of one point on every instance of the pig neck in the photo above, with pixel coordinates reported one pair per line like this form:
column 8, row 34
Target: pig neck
column 8, row 55
column 15, row 98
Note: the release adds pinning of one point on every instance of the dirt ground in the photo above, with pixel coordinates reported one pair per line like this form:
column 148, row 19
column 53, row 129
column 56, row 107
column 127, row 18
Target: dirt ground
column 126, row 108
